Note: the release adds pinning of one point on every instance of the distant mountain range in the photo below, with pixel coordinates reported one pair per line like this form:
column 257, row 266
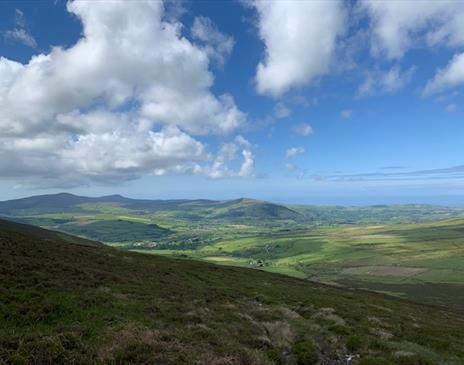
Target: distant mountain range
column 193, row 209
column 117, row 219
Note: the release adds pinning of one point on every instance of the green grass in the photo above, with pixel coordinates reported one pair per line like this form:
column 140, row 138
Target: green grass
column 64, row 301
column 119, row 230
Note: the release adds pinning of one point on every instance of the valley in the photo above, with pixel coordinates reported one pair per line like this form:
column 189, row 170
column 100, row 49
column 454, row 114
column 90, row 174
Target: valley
column 413, row 251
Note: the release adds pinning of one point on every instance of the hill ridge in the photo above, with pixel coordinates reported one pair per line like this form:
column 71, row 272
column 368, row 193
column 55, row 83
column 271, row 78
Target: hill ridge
column 242, row 207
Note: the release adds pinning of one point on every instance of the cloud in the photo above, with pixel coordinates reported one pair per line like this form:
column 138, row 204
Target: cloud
column 388, row 81
column 300, row 38
column 21, row 35
column 398, row 26
column 303, row 129
column 448, row 77
column 451, row 108
column 294, row 151
column 347, row 113
column 216, row 44
column 242, row 142
column 128, row 152
column 290, row 167
column 453, row 172
column 20, row 19
column 248, row 164
column 129, row 98
column 20, row 32
column 219, row 168
column 281, row 111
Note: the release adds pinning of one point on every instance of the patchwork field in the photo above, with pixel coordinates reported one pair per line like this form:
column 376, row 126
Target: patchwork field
column 423, row 262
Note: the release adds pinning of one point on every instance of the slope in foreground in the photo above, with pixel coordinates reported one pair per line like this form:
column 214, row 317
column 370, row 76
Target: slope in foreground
column 65, row 302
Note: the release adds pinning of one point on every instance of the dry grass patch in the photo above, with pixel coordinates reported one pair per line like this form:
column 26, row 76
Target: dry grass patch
column 376, row 236
column 399, row 271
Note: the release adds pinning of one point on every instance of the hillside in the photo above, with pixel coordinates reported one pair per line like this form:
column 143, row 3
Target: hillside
column 44, row 203
column 63, row 302
column 255, row 209
column 66, row 203
column 184, row 209
column 32, row 232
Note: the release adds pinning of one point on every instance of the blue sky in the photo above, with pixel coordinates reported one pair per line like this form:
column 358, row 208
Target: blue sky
column 334, row 102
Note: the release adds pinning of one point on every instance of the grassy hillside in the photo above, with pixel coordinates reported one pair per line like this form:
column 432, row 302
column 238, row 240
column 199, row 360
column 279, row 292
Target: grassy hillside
column 255, row 209
column 119, row 230
column 184, row 209
column 64, row 302
column 12, row 228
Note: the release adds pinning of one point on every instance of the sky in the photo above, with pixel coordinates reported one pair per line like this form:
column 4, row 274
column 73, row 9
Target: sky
column 316, row 102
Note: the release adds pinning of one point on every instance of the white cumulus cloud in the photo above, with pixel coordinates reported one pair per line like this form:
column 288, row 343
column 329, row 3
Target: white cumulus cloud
column 228, row 152
column 398, row 26
column 300, row 38
column 129, row 98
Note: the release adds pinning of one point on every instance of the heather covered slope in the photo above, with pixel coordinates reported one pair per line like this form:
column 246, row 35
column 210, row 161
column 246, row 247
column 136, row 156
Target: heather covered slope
column 10, row 228
column 63, row 302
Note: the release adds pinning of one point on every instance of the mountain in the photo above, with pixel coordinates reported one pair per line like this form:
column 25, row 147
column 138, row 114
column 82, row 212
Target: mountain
column 202, row 208
column 64, row 302
column 256, row 209
column 241, row 210
column 54, row 203
column 51, row 201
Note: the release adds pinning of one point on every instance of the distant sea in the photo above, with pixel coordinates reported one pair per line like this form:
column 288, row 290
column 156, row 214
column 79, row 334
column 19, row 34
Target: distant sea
column 447, row 200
